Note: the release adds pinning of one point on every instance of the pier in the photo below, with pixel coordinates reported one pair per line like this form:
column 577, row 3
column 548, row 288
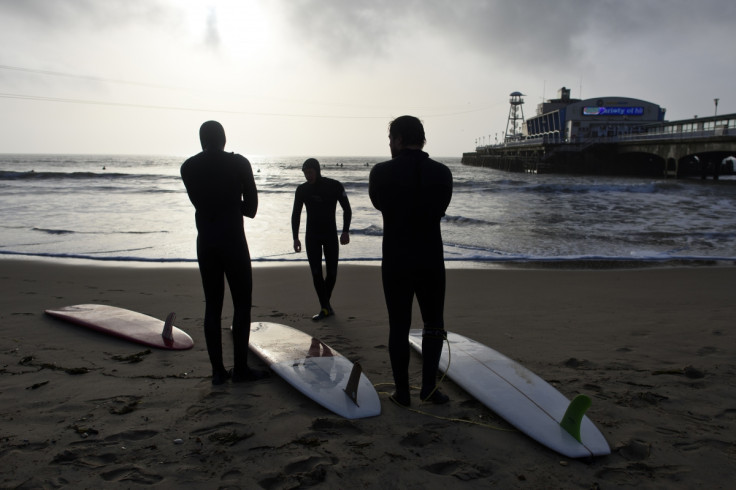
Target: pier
column 610, row 136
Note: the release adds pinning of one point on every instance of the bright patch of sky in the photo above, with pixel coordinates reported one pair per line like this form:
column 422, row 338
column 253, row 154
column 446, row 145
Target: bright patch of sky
column 324, row 77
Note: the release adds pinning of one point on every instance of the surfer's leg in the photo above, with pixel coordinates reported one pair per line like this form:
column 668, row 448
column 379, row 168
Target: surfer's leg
column 332, row 254
column 240, row 279
column 314, row 256
column 399, row 296
column 432, row 342
column 430, row 288
column 213, row 283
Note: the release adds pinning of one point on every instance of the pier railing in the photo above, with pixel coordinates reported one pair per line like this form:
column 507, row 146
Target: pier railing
column 628, row 138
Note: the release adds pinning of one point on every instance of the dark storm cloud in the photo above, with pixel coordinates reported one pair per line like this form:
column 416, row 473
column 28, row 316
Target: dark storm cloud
column 525, row 31
column 341, row 30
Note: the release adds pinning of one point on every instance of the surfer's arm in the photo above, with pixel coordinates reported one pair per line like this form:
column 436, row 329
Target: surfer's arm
column 296, row 214
column 249, row 206
column 347, row 212
column 444, row 193
column 184, row 171
column 373, row 189
column 448, row 188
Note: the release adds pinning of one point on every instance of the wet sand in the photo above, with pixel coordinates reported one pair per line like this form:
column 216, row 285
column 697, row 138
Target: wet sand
column 654, row 348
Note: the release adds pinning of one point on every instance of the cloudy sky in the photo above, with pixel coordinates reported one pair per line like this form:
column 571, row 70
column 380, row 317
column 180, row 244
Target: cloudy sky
column 324, row 77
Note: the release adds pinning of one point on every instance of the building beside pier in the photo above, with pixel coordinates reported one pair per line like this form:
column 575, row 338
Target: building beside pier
column 569, row 120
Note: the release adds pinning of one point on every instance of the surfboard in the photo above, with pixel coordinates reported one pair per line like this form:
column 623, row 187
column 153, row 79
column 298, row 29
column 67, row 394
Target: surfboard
column 126, row 324
column 315, row 369
column 521, row 397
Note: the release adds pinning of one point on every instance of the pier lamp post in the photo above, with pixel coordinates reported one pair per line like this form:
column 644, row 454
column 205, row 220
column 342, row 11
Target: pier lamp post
column 716, row 102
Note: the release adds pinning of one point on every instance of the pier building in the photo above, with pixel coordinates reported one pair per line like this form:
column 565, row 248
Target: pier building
column 568, row 120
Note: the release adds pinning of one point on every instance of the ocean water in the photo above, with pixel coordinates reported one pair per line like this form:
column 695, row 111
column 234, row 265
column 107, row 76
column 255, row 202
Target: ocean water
column 135, row 209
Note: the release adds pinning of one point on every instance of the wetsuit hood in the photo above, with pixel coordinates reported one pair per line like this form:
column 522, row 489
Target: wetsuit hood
column 313, row 164
column 212, row 136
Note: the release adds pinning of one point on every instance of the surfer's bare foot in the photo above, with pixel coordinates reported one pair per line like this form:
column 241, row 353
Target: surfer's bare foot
column 220, row 377
column 323, row 313
column 436, row 397
column 249, row 375
column 401, row 398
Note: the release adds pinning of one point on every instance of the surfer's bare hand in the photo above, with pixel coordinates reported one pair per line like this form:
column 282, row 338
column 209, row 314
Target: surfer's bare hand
column 297, row 246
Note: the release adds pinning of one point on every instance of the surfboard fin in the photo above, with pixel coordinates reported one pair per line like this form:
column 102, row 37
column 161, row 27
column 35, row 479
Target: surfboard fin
column 167, row 333
column 351, row 389
column 574, row 415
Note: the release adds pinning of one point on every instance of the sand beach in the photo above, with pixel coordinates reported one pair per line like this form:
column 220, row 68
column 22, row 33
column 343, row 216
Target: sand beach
column 653, row 347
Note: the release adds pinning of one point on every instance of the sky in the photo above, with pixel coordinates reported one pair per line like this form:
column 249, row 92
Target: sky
column 325, row 77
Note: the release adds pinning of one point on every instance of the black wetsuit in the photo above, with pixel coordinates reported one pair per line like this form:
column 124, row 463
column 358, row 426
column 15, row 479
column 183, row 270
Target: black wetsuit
column 321, row 200
column 222, row 189
column 412, row 192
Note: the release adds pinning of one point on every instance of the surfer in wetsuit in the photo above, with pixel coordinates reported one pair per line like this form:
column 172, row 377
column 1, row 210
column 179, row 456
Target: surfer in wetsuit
column 320, row 195
column 412, row 192
column 222, row 189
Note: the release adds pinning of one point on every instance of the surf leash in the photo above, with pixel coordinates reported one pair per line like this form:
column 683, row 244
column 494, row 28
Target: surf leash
column 440, row 417
column 444, row 374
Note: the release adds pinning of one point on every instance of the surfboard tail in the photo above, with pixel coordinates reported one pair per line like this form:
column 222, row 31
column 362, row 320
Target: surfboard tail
column 574, row 415
column 351, row 389
column 167, row 334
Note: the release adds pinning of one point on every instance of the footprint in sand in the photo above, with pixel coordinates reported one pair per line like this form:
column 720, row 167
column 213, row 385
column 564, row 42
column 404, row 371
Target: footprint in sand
column 131, row 474
column 337, row 426
column 309, row 464
column 704, row 351
column 301, row 474
column 458, row 469
column 728, row 414
column 419, row 439
column 635, row 450
column 132, row 435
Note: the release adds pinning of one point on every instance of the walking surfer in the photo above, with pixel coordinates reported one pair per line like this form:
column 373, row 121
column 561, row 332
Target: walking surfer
column 320, row 195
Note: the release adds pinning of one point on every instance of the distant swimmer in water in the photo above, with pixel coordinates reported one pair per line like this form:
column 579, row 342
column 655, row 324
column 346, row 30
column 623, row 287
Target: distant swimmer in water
column 320, row 195
column 222, row 190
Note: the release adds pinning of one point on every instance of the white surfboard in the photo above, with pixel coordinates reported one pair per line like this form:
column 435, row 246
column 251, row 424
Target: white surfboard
column 315, row 369
column 518, row 395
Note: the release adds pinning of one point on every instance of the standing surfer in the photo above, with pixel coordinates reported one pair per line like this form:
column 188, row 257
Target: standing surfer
column 222, row 189
column 412, row 192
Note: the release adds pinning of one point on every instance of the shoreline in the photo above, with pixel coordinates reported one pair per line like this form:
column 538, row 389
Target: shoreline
column 537, row 263
column 653, row 347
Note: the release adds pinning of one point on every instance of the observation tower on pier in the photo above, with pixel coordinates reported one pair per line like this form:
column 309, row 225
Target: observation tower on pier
column 515, row 123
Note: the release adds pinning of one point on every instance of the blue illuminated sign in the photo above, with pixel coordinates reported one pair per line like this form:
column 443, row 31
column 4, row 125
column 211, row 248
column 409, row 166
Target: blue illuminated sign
column 613, row 111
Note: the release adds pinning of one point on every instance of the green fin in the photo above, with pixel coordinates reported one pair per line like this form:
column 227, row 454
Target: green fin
column 574, row 415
